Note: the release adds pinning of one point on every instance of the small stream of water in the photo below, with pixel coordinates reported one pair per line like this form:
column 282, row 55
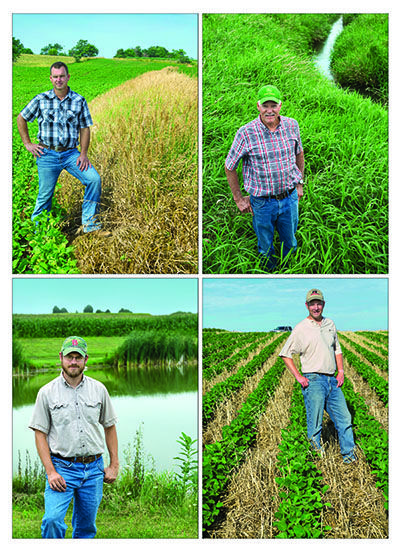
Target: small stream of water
column 322, row 60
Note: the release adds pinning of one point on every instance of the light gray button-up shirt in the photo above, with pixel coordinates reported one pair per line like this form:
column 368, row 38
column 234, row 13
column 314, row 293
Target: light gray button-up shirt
column 73, row 418
column 317, row 345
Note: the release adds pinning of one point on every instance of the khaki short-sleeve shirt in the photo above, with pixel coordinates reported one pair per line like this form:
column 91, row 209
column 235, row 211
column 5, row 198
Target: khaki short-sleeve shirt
column 73, row 418
column 317, row 345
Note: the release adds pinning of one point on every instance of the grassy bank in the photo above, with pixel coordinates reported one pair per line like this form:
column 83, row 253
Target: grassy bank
column 140, row 504
column 360, row 57
column 343, row 219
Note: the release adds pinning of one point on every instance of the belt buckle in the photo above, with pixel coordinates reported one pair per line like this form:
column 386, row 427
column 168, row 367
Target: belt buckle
column 59, row 148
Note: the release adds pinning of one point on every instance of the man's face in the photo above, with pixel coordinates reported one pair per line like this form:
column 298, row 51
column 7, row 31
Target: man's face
column 269, row 113
column 73, row 364
column 59, row 79
column 315, row 309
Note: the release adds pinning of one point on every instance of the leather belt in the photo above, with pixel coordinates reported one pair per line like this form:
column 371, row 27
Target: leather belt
column 55, row 148
column 86, row 460
column 282, row 195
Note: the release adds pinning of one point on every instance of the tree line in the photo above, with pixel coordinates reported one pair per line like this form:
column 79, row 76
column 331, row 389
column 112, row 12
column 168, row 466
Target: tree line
column 83, row 49
column 89, row 309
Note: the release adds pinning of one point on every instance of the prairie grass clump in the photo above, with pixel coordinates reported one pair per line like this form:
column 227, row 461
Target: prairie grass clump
column 144, row 145
column 156, row 347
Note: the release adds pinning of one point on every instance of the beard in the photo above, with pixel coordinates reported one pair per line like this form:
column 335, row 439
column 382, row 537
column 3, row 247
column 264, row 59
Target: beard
column 72, row 370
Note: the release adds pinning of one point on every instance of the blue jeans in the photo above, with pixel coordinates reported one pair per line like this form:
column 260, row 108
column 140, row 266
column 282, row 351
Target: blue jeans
column 270, row 214
column 85, row 487
column 50, row 164
column 322, row 393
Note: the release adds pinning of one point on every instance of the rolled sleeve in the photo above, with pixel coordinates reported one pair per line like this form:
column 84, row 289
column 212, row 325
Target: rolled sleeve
column 31, row 110
column 237, row 152
column 40, row 419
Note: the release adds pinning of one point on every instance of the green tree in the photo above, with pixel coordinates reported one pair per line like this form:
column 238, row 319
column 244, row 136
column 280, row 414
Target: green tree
column 52, row 50
column 88, row 309
column 18, row 48
column 56, row 309
column 83, row 49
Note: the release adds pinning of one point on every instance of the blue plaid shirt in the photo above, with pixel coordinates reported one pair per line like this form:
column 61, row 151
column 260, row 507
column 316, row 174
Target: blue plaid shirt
column 59, row 120
column 269, row 158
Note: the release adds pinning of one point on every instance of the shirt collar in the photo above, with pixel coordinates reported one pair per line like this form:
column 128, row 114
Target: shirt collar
column 314, row 323
column 68, row 385
column 262, row 126
column 52, row 94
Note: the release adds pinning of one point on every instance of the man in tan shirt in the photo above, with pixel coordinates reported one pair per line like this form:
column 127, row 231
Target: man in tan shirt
column 72, row 416
column 315, row 340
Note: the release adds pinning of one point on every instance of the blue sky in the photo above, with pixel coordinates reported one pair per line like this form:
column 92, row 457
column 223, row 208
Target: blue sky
column 157, row 296
column 107, row 31
column 262, row 304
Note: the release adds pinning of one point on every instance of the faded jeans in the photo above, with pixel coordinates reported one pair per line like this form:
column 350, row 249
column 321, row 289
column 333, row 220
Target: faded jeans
column 270, row 214
column 50, row 164
column 85, row 487
column 322, row 393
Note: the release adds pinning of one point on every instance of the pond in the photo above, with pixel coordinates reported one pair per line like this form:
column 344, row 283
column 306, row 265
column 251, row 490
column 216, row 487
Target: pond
column 161, row 403
column 322, row 59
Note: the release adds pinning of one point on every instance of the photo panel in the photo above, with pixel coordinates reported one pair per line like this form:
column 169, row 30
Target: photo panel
column 276, row 353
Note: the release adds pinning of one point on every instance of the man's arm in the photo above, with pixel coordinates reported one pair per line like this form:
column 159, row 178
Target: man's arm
column 243, row 202
column 22, row 125
column 339, row 364
column 84, row 140
column 111, row 472
column 292, row 368
column 300, row 165
column 56, row 481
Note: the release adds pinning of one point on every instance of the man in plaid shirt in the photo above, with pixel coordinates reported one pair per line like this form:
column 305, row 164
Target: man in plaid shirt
column 64, row 120
column 273, row 167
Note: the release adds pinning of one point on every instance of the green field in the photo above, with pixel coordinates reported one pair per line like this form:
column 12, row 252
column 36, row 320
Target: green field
column 343, row 216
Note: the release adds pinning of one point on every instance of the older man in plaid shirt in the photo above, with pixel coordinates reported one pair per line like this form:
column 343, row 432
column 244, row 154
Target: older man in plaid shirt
column 64, row 120
column 273, row 167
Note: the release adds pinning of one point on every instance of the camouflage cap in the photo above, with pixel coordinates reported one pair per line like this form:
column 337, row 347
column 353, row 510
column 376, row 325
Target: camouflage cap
column 74, row 343
column 314, row 294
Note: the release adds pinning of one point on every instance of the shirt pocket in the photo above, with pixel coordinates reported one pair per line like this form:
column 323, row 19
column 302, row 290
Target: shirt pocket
column 60, row 413
column 49, row 115
column 92, row 410
column 71, row 117
column 329, row 337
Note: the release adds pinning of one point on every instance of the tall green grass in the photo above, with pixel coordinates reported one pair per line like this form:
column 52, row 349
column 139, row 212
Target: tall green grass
column 343, row 217
column 360, row 57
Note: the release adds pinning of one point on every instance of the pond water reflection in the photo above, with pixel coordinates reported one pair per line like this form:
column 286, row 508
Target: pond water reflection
column 160, row 401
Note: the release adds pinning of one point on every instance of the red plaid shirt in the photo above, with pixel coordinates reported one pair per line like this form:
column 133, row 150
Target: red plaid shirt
column 269, row 158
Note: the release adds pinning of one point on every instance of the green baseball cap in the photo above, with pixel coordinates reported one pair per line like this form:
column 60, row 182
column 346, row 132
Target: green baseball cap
column 269, row 92
column 74, row 343
column 314, row 294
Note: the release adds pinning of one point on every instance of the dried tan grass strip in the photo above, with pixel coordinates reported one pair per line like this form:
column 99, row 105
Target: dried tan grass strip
column 357, row 510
